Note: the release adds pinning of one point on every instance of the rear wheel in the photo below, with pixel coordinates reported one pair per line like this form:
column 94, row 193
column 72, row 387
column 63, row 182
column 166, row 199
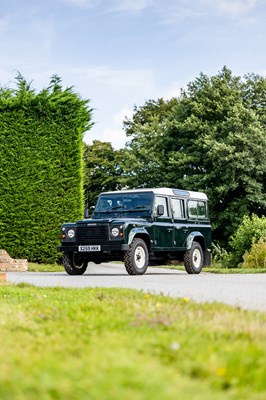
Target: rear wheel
column 73, row 264
column 193, row 259
column 137, row 257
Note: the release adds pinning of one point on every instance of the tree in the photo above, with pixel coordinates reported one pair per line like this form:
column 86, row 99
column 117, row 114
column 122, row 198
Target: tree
column 102, row 169
column 212, row 139
column 146, row 156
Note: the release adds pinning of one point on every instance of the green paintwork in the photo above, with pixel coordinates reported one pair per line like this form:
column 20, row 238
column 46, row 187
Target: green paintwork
column 169, row 233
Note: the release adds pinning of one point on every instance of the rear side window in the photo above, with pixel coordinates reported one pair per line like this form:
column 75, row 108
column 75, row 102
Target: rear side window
column 197, row 209
column 202, row 210
column 177, row 208
column 192, row 209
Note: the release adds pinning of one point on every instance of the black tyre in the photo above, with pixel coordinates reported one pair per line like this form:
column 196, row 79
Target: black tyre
column 193, row 259
column 137, row 257
column 73, row 264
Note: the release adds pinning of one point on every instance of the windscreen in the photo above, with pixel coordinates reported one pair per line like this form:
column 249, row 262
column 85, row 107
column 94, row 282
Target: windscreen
column 124, row 203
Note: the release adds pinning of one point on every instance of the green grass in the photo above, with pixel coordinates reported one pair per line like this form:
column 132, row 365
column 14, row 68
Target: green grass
column 97, row 344
column 216, row 268
column 222, row 270
column 34, row 267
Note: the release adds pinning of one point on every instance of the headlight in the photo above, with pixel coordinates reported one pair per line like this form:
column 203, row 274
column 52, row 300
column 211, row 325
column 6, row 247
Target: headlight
column 70, row 233
column 115, row 232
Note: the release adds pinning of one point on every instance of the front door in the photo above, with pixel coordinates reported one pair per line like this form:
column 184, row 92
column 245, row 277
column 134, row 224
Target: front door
column 163, row 233
column 181, row 229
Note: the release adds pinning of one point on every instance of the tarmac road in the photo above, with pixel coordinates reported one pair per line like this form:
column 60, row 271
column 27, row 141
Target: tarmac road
column 242, row 290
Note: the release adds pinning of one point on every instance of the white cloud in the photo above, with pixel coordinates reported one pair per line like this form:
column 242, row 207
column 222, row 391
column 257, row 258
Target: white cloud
column 170, row 10
column 89, row 4
column 118, row 78
column 114, row 132
column 132, row 5
column 4, row 23
column 233, row 7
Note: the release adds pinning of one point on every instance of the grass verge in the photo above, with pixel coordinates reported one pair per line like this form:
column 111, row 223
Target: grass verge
column 59, row 343
column 216, row 269
column 34, row 267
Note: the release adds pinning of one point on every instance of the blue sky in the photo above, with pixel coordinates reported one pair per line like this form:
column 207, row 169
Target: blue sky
column 120, row 53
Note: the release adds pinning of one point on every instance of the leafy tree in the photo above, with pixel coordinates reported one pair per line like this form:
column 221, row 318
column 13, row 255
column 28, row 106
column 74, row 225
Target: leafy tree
column 212, row 138
column 146, row 157
column 102, row 169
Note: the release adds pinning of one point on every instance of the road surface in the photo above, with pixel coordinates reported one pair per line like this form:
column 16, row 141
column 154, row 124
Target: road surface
column 242, row 290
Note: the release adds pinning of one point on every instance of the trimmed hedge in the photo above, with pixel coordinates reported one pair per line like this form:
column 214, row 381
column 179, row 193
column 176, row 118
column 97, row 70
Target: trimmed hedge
column 41, row 167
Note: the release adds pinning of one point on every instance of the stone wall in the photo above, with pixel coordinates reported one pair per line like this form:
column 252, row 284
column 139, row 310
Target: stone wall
column 9, row 264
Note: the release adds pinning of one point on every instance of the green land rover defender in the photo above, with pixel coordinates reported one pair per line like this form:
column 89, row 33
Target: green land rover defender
column 141, row 227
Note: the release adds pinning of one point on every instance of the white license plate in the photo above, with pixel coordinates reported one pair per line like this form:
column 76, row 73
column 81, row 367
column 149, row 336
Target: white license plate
column 90, row 248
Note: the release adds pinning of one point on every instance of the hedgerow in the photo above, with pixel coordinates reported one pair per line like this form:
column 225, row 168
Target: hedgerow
column 41, row 179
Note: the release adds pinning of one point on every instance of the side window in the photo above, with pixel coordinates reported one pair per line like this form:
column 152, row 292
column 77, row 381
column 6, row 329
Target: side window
column 161, row 201
column 177, row 208
column 202, row 210
column 192, row 209
column 197, row 209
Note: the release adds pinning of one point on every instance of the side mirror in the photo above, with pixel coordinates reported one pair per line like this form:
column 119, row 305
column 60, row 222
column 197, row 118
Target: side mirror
column 160, row 210
column 87, row 211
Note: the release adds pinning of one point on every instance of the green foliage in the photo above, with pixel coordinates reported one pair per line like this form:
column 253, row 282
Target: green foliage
column 59, row 343
column 219, row 254
column 40, row 166
column 102, row 169
column 250, row 231
column 256, row 257
column 147, row 155
column 212, row 138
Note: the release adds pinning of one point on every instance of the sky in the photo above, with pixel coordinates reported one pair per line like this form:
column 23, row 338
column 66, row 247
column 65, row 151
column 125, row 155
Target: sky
column 121, row 53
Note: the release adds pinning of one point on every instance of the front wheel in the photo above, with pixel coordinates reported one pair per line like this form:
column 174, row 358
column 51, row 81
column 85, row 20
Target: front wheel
column 137, row 257
column 193, row 259
column 73, row 264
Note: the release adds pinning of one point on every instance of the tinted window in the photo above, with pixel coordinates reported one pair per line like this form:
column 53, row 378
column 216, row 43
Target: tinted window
column 192, row 209
column 177, row 208
column 197, row 209
column 163, row 202
column 202, row 210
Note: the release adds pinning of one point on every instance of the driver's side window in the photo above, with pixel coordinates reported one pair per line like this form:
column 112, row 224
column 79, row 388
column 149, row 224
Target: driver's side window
column 161, row 201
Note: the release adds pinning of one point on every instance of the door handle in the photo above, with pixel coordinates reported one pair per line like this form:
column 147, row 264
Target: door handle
column 170, row 229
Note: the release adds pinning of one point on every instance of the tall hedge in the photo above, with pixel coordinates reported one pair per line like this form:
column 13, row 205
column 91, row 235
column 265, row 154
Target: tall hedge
column 41, row 177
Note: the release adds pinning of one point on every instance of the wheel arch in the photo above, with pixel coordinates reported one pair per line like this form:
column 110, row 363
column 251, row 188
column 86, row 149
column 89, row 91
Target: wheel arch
column 140, row 233
column 196, row 237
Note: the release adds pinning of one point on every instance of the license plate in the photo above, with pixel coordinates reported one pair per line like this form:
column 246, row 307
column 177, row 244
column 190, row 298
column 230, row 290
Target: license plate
column 90, row 248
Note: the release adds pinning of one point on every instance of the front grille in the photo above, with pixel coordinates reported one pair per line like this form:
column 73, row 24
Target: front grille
column 92, row 234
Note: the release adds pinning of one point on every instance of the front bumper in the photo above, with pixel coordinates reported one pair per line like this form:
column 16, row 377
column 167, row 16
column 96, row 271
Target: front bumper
column 104, row 248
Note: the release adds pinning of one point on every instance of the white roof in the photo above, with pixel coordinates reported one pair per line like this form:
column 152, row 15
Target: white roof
column 164, row 191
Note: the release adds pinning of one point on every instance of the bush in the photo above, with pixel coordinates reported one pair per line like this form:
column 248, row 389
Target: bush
column 219, row 254
column 251, row 230
column 256, row 257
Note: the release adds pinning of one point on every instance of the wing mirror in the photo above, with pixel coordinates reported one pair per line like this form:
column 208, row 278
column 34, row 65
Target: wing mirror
column 160, row 210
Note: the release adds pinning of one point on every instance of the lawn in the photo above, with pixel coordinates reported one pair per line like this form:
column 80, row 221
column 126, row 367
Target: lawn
column 113, row 344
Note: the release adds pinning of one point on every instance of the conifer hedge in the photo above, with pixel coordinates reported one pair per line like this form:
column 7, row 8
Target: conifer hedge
column 41, row 167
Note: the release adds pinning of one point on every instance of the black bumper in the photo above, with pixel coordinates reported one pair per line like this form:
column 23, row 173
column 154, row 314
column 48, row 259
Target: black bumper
column 104, row 248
